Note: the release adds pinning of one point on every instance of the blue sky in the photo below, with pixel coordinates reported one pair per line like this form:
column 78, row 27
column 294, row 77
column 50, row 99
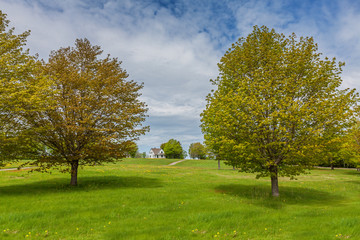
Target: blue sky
column 173, row 47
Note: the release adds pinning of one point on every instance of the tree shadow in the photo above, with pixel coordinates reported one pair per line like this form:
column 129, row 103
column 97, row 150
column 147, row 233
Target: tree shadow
column 353, row 173
column 60, row 185
column 261, row 195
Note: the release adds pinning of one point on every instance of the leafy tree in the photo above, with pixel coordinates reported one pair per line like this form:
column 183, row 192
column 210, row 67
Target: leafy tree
column 275, row 100
column 138, row 155
column 162, row 146
column 197, row 150
column 22, row 88
column 184, row 154
column 340, row 150
column 97, row 115
column 352, row 145
column 332, row 150
column 173, row 149
column 133, row 150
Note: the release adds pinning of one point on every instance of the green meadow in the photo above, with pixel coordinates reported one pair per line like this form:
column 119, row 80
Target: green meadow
column 147, row 199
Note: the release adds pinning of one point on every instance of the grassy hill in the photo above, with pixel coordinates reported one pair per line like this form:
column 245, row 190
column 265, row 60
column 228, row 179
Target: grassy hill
column 146, row 199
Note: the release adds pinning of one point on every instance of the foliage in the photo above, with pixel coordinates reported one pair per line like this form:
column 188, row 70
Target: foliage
column 197, row 150
column 275, row 102
column 133, row 152
column 185, row 154
column 352, row 145
column 22, row 89
column 332, row 150
column 162, row 146
column 339, row 152
column 138, row 155
column 173, row 149
column 97, row 114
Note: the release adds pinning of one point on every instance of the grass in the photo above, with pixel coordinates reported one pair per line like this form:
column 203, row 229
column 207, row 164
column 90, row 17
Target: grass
column 146, row 199
column 11, row 165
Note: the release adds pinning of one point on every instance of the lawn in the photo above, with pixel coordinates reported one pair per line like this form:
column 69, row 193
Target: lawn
column 146, row 199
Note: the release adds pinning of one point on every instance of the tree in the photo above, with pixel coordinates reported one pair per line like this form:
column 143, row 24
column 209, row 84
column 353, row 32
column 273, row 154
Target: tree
column 97, row 115
column 197, row 150
column 133, row 150
column 352, row 145
column 173, row 149
column 162, row 146
column 211, row 155
column 184, row 154
column 138, row 155
column 22, row 88
column 275, row 100
column 332, row 150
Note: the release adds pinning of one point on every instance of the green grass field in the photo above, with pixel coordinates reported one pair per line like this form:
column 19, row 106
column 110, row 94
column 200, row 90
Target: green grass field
column 145, row 199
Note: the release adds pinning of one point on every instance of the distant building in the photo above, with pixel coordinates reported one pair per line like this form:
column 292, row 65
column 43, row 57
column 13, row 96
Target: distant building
column 156, row 153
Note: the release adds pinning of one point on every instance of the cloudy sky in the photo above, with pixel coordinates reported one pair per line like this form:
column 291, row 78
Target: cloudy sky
column 173, row 46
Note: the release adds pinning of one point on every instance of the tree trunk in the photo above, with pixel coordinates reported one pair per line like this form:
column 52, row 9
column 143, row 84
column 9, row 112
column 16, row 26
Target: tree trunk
column 74, row 171
column 331, row 163
column 234, row 168
column 219, row 164
column 274, row 181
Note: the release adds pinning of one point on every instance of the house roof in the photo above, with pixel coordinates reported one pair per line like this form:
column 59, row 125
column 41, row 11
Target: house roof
column 156, row 150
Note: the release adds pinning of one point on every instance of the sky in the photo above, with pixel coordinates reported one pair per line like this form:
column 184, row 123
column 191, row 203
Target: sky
column 173, row 46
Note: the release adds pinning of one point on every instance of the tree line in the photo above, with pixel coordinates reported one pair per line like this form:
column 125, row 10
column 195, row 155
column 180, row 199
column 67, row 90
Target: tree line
column 174, row 150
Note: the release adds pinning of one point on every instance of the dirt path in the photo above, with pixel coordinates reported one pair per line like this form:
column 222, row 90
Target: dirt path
column 15, row 169
column 335, row 168
column 173, row 163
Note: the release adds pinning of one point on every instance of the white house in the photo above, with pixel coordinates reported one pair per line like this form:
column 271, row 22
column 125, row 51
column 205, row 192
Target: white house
column 156, row 153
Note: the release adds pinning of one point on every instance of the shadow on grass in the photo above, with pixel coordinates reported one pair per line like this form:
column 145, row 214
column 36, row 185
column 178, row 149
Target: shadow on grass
column 84, row 184
column 353, row 173
column 261, row 195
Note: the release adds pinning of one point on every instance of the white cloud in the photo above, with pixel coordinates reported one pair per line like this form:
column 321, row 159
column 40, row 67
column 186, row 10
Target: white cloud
column 173, row 59
column 174, row 50
column 165, row 109
column 261, row 13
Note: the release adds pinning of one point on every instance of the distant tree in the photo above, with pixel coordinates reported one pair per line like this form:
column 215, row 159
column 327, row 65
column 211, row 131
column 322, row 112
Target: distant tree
column 338, row 150
column 185, row 154
column 133, row 150
column 274, row 102
column 352, row 145
column 22, row 89
column 97, row 114
column 332, row 150
column 197, row 150
column 173, row 149
column 143, row 155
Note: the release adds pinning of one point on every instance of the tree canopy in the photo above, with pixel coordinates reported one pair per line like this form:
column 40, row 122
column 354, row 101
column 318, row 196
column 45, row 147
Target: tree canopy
column 22, row 88
column 351, row 145
column 197, row 150
column 162, row 146
column 173, row 149
column 275, row 100
column 133, row 151
column 96, row 116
